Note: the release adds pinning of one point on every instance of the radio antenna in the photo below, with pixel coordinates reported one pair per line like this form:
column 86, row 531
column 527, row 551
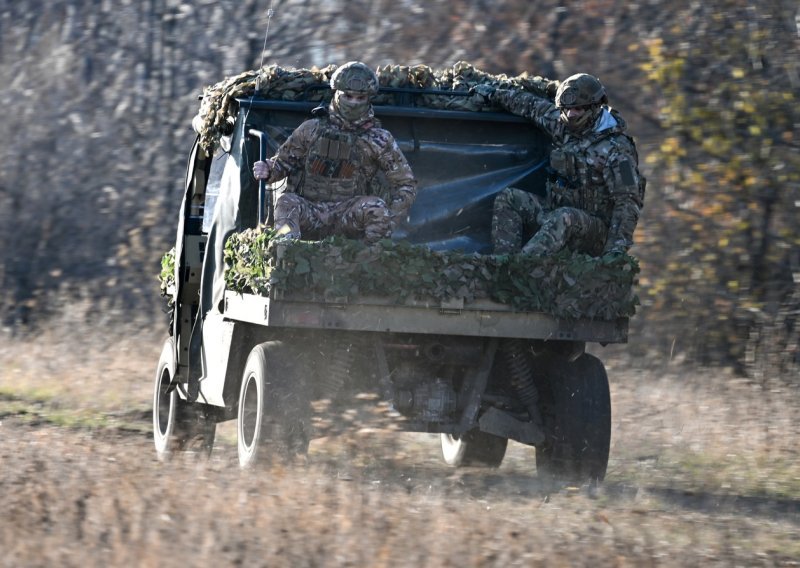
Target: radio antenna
column 270, row 13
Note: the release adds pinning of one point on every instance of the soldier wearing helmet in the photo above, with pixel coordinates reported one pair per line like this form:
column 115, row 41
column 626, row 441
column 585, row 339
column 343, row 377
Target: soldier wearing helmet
column 594, row 191
column 346, row 174
column 580, row 99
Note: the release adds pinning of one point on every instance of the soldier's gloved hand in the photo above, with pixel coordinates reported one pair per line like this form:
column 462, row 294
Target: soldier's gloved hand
column 613, row 252
column 483, row 92
column 261, row 170
column 615, row 246
column 552, row 89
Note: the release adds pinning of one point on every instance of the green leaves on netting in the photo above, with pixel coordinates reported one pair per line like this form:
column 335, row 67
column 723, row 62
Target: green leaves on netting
column 167, row 275
column 250, row 258
column 287, row 84
column 567, row 285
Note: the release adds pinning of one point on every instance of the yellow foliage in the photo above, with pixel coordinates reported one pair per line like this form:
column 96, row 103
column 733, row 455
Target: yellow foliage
column 696, row 178
column 728, row 131
column 716, row 145
column 712, row 209
column 672, row 145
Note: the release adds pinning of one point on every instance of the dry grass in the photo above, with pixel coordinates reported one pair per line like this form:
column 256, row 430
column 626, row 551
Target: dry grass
column 704, row 471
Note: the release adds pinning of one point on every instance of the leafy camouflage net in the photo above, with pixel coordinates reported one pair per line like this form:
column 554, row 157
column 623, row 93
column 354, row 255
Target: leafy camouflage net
column 287, row 84
column 567, row 285
column 166, row 277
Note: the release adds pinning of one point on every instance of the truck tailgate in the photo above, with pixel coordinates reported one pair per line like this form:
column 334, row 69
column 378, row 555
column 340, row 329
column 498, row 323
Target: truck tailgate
column 481, row 318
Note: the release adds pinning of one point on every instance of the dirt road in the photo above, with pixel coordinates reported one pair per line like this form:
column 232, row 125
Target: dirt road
column 703, row 472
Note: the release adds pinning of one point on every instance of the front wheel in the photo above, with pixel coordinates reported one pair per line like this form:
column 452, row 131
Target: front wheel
column 178, row 425
column 577, row 417
column 473, row 448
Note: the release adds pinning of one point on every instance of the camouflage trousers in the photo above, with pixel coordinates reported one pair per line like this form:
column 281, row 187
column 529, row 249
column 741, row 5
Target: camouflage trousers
column 521, row 222
column 364, row 216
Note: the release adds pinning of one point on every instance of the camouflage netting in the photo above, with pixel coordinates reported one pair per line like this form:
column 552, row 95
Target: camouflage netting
column 287, row 84
column 567, row 285
column 167, row 275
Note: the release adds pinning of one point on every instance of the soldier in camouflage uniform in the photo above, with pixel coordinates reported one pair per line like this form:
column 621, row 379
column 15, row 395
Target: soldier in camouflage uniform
column 595, row 190
column 336, row 163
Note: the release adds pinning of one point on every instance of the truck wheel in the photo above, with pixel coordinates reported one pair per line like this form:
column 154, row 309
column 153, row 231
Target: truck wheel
column 273, row 406
column 577, row 418
column 250, row 419
column 178, row 425
column 473, row 448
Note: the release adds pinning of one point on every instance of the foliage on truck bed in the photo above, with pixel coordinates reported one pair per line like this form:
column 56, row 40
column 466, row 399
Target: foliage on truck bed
column 567, row 285
column 289, row 84
column 167, row 275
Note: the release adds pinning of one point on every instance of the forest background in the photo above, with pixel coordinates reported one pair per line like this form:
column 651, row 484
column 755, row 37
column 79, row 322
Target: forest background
column 98, row 96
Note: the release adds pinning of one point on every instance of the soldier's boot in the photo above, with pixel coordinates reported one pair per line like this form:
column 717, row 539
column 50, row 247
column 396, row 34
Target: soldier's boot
column 286, row 229
column 541, row 245
column 289, row 210
column 551, row 237
column 378, row 224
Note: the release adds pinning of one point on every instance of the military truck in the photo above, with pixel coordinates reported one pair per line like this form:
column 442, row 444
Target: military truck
column 476, row 371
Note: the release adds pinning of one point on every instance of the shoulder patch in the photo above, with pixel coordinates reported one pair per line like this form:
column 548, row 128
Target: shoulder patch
column 380, row 137
column 626, row 174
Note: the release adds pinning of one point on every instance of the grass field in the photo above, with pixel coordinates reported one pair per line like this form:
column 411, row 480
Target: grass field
column 704, row 471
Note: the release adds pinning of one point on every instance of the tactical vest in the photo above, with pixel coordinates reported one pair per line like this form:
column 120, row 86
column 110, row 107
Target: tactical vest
column 577, row 174
column 332, row 166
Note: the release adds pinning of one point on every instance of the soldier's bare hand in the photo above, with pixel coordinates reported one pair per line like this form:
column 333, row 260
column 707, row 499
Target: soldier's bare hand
column 261, row 170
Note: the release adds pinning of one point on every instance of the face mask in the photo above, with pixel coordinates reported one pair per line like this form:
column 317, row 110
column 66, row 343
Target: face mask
column 578, row 122
column 350, row 110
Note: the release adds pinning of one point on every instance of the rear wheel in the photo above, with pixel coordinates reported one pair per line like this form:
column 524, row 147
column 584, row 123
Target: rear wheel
column 473, row 448
column 273, row 415
column 250, row 418
column 178, row 425
column 577, row 417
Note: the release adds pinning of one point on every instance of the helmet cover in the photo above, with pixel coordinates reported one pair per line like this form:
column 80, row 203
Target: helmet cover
column 579, row 90
column 355, row 76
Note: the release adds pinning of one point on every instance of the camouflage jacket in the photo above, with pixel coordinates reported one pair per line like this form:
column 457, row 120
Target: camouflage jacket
column 595, row 171
column 330, row 159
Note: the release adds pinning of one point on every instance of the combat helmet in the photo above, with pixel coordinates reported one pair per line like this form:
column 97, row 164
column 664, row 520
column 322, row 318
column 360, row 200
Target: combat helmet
column 580, row 91
column 355, row 76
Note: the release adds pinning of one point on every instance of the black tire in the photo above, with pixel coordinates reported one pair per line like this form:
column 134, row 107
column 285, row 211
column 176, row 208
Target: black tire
column 475, row 448
column 178, row 426
column 577, row 414
column 274, row 408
